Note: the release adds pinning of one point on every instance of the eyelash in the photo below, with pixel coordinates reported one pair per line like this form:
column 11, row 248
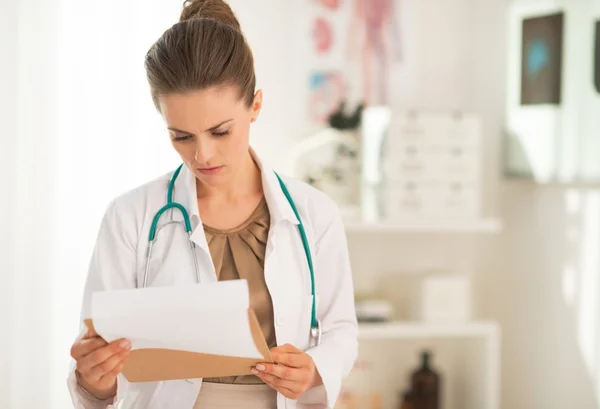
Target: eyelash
column 182, row 138
column 186, row 137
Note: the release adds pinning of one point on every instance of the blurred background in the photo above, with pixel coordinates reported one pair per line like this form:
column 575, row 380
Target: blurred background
column 459, row 137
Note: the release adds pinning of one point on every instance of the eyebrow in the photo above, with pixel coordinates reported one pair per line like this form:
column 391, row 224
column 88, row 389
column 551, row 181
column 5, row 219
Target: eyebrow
column 208, row 130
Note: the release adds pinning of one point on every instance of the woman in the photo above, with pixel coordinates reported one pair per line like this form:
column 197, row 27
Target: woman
column 202, row 81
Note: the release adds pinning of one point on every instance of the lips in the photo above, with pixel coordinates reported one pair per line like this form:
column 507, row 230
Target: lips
column 210, row 171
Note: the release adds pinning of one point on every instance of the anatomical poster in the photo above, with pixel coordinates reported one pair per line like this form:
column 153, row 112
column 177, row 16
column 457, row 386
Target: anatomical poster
column 327, row 90
column 355, row 52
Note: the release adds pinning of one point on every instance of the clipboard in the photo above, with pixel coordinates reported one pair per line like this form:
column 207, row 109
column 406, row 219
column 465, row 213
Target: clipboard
column 157, row 364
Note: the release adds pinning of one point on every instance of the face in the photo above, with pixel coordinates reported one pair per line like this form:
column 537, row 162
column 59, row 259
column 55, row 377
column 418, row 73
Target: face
column 210, row 130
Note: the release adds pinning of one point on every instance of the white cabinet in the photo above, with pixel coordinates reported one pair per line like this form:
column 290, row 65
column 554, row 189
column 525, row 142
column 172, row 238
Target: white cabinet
column 465, row 354
column 467, row 357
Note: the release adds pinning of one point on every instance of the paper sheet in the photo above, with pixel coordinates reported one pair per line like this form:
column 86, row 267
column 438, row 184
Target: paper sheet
column 205, row 318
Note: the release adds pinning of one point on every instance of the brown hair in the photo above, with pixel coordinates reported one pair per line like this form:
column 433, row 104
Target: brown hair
column 206, row 48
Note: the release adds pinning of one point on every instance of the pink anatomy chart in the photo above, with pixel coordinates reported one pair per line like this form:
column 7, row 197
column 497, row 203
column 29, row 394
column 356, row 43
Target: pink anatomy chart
column 378, row 45
column 329, row 4
column 322, row 35
column 355, row 48
column 327, row 91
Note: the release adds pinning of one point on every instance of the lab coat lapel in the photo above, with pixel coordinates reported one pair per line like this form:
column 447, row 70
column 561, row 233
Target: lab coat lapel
column 185, row 193
column 282, row 274
column 282, row 218
column 279, row 207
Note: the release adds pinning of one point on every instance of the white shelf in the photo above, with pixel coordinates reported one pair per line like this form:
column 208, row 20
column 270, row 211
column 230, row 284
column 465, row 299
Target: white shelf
column 484, row 226
column 416, row 330
column 472, row 357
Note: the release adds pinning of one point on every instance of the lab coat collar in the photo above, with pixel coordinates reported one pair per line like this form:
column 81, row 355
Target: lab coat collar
column 279, row 207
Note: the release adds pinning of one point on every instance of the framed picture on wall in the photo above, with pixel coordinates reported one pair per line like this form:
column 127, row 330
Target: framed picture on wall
column 552, row 124
column 541, row 63
column 534, row 98
column 597, row 57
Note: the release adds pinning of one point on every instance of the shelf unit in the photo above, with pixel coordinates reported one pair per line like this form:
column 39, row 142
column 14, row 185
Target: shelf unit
column 484, row 226
column 416, row 330
column 467, row 355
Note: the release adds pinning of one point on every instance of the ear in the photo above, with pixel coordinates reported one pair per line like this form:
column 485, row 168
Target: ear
column 257, row 104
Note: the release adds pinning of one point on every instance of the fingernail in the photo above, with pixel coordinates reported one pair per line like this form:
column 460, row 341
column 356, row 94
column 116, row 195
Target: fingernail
column 125, row 344
column 260, row 367
column 254, row 371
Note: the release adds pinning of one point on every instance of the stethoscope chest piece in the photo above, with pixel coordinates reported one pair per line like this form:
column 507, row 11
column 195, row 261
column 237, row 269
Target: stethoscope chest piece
column 315, row 334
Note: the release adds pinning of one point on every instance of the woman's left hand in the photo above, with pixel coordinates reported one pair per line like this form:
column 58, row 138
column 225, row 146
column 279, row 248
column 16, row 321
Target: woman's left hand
column 292, row 374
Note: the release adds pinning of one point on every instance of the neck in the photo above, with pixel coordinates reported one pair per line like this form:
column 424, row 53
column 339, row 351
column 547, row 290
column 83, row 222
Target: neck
column 245, row 181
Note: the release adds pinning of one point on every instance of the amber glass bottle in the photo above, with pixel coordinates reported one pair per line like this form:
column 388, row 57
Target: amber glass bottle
column 426, row 385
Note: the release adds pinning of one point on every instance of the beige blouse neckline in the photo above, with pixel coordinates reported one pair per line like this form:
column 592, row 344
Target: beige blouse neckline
column 256, row 215
column 239, row 253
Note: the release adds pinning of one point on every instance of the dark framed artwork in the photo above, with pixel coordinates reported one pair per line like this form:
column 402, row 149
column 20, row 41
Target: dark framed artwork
column 541, row 66
column 597, row 58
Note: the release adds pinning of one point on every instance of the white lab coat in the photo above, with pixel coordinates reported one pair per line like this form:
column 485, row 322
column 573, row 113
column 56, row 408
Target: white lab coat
column 119, row 258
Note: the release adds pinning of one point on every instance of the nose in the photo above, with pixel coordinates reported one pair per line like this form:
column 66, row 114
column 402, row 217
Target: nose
column 205, row 151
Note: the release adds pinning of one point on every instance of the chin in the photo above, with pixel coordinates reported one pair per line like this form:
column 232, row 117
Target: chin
column 212, row 180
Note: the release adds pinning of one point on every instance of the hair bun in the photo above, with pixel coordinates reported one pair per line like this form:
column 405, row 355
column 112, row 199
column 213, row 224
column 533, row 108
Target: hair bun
column 217, row 10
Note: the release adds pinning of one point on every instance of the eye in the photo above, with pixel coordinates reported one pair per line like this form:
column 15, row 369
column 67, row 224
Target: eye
column 181, row 138
column 220, row 133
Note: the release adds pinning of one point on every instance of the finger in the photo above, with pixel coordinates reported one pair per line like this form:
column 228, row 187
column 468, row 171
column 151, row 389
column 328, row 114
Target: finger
column 110, row 378
column 89, row 361
column 283, row 372
column 119, row 368
column 278, row 383
column 287, row 348
column 288, row 393
column 83, row 347
column 293, row 360
column 90, row 333
column 107, row 368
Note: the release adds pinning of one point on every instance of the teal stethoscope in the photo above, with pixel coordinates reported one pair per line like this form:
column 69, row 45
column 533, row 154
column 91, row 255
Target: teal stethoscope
column 315, row 324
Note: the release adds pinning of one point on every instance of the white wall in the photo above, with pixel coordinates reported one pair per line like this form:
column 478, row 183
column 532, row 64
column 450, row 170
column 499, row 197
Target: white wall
column 539, row 277
column 559, row 142
column 541, row 284
column 7, row 119
column 266, row 24
column 23, row 323
column 283, row 72
column 589, row 99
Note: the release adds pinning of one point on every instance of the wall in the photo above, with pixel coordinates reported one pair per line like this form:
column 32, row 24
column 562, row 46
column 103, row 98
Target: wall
column 283, row 73
column 558, row 142
column 589, row 98
column 7, row 115
column 541, row 284
column 538, row 278
column 266, row 24
column 27, row 252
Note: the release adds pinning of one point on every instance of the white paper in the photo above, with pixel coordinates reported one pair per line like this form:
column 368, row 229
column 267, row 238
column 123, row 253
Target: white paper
column 206, row 318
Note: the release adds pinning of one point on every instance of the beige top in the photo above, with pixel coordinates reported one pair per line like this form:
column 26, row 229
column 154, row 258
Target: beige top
column 240, row 253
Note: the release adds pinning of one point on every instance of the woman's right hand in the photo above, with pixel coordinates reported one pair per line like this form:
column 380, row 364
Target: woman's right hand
column 99, row 363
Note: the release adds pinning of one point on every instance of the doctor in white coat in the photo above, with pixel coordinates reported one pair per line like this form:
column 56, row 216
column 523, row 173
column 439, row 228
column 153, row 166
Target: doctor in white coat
column 201, row 76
